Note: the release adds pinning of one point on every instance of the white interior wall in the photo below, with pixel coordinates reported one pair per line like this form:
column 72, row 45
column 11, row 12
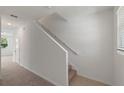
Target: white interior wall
column 41, row 55
column 119, row 70
column 92, row 37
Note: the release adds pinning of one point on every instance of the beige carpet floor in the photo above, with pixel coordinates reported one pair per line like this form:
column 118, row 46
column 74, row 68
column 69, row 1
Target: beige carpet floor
column 83, row 81
column 15, row 75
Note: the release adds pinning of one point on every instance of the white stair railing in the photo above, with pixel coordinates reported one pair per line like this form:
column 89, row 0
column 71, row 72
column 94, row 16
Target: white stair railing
column 61, row 62
column 57, row 39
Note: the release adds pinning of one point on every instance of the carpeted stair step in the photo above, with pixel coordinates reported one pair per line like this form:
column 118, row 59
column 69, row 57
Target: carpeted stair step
column 72, row 74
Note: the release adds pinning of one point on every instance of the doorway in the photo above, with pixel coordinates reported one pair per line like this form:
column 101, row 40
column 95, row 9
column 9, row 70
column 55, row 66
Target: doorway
column 7, row 46
column 10, row 48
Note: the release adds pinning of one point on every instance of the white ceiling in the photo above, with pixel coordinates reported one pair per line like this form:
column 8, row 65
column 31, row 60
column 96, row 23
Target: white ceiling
column 36, row 12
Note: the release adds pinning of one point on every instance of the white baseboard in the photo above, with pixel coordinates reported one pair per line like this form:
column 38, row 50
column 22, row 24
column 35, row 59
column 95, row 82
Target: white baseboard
column 106, row 83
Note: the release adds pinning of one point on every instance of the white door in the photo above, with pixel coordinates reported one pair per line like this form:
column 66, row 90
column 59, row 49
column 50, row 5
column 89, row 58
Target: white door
column 17, row 51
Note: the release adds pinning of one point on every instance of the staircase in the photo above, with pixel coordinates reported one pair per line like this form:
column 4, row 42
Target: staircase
column 72, row 73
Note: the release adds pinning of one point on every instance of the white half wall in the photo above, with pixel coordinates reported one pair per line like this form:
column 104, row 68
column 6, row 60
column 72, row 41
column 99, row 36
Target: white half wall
column 91, row 36
column 42, row 55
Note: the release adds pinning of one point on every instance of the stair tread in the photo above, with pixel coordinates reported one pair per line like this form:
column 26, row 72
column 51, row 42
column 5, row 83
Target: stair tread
column 72, row 74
